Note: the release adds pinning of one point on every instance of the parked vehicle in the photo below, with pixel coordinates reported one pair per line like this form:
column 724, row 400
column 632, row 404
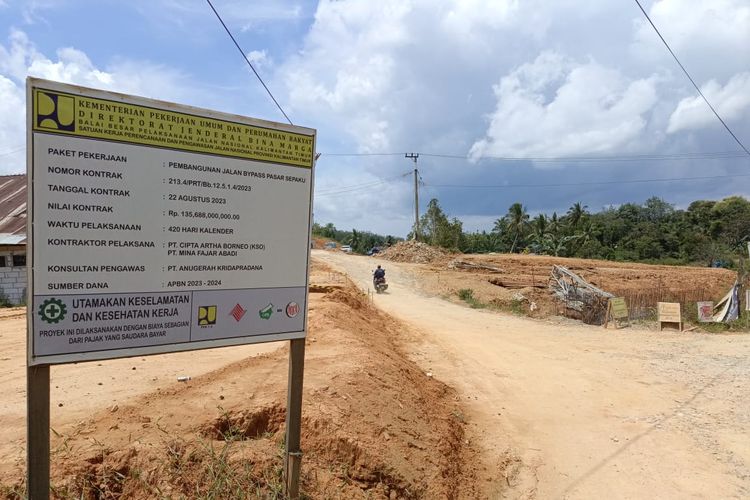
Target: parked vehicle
column 346, row 248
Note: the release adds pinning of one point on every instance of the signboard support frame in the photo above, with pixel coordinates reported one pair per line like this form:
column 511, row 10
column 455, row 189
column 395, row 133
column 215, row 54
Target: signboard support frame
column 293, row 455
column 37, row 432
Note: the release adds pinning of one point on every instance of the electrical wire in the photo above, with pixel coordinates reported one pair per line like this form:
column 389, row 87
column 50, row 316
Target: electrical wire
column 592, row 183
column 10, row 152
column 718, row 155
column 248, row 62
column 597, row 159
column 690, row 78
column 361, row 154
column 359, row 187
column 364, row 184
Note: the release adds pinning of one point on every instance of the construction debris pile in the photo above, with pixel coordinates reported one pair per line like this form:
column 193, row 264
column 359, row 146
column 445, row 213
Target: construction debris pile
column 413, row 251
column 581, row 299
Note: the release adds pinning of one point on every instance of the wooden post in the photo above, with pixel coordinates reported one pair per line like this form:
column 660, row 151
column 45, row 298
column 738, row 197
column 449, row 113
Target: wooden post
column 293, row 462
column 37, row 432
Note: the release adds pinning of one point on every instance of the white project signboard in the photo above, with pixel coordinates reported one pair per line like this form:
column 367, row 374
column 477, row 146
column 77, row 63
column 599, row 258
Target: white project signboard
column 156, row 227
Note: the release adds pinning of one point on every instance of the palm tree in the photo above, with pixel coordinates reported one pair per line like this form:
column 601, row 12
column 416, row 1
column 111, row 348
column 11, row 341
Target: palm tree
column 518, row 220
column 585, row 235
column 554, row 224
column 354, row 240
column 540, row 226
column 576, row 213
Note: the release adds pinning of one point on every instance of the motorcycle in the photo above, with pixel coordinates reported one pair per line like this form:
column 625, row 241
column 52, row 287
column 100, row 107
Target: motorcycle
column 379, row 284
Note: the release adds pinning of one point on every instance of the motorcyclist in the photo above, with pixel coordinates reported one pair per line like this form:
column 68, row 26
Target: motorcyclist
column 379, row 273
column 378, row 280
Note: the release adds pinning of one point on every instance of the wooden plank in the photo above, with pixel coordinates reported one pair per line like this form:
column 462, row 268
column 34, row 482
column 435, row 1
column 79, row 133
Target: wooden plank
column 515, row 283
column 293, row 462
column 470, row 266
column 37, row 432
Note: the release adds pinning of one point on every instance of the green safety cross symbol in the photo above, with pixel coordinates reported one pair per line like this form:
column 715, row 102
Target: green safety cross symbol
column 52, row 310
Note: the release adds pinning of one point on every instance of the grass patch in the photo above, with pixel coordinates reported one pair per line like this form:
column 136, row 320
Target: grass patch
column 467, row 295
column 740, row 325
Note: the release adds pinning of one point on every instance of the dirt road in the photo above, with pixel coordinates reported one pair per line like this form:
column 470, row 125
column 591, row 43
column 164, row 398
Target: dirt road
column 591, row 413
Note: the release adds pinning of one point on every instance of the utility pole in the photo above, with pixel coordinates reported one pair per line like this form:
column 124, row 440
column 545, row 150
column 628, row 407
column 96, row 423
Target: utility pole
column 414, row 157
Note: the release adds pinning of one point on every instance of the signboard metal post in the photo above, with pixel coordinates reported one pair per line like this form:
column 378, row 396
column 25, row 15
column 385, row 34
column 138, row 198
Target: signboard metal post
column 155, row 228
column 37, row 432
column 293, row 462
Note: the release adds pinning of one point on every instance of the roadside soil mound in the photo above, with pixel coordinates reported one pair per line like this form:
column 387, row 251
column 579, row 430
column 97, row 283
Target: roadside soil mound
column 318, row 242
column 374, row 424
column 415, row 252
column 518, row 283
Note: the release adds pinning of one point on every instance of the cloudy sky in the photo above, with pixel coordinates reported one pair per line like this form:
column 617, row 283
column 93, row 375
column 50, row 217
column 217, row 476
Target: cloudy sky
column 546, row 103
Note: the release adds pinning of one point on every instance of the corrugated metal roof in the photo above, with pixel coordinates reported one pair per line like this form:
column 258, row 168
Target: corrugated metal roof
column 12, row 210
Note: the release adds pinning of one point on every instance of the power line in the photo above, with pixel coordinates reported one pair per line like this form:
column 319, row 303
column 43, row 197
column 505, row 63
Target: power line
column 248, row 62
column 364, row 184
column 690, row 78
column 717, row 155
column 597, row 159
column 593, row 183
column 361, row 154
column 5, row 153
column 359, row 187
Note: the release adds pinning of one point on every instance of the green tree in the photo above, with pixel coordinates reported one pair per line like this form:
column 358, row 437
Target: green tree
column 576, row 214
column 731, row 221
column 354, row 240
column 517, row 221
column 329, row 231
column 437, row 230
column 540, row 226
column 554, row 224
column 657, row 210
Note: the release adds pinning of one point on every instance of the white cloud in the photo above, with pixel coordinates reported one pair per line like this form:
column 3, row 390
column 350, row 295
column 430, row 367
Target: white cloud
column 557, row 107
column 731, row 102
column 20, row 58
column 711, row 38
column 31, row 10
column 346, row 72
column 12, row 126
column 260, row 12
column 259, row 58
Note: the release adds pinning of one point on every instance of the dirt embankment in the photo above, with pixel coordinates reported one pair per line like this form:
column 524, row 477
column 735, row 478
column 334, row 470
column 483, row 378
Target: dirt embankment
column 518, row 281
column 374, row 424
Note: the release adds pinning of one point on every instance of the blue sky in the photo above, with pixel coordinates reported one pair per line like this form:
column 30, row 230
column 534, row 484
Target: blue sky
column 468, row 78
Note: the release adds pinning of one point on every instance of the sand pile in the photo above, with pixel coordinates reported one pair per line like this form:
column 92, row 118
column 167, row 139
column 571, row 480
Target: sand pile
column 414, row 251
